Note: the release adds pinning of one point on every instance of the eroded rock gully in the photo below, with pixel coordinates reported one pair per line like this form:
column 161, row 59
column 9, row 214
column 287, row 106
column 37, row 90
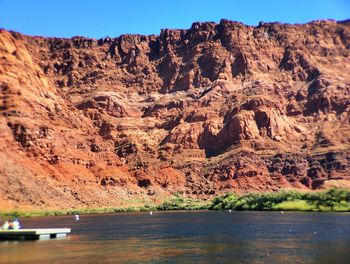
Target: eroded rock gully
column 213, row 109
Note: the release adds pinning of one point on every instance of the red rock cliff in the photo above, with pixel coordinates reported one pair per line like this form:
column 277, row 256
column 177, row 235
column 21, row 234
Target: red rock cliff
column 212, row 109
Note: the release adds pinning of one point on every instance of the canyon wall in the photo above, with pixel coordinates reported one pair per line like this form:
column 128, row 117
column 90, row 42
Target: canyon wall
column 213, row 109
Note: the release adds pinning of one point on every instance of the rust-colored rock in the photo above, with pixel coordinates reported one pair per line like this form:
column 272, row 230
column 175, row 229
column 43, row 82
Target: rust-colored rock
column 213, row 109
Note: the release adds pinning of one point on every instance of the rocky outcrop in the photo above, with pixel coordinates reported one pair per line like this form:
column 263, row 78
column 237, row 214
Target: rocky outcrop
column 216, row 108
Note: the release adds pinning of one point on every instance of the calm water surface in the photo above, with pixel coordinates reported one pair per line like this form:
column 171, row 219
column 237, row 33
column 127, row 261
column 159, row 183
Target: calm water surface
column 189, row 237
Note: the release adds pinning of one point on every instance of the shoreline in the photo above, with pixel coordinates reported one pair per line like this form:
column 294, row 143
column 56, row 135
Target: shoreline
column 93, row 211
column 332, row 200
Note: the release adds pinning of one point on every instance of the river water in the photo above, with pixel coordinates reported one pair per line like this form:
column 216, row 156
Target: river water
column 188, row 237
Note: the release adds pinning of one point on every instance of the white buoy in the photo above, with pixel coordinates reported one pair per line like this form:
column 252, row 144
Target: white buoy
column 151, row 213
column 229, row 210
column 281, row 212
column 76, row 217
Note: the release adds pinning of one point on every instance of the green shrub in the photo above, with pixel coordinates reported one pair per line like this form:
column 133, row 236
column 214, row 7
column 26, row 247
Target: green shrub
column 330, row 200
column 180, row 203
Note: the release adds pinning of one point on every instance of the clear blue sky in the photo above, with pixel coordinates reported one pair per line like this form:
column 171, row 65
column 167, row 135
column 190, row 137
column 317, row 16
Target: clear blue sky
column 67, row 18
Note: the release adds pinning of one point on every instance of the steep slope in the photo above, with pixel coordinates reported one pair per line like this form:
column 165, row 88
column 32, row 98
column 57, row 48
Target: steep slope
column 216, row 108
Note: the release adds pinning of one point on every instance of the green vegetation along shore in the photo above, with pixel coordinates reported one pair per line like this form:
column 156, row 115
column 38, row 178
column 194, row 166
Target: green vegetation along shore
column 323, row 201
column 43, row 212
column 180, row 203
column 175, row 203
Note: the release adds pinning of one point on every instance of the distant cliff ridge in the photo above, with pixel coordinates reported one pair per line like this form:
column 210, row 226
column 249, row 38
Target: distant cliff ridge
column 213, row 109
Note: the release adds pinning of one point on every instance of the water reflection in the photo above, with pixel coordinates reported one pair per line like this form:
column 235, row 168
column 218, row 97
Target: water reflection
column 182, row 237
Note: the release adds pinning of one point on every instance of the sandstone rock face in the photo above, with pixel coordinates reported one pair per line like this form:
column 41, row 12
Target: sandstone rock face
column 213, row 109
